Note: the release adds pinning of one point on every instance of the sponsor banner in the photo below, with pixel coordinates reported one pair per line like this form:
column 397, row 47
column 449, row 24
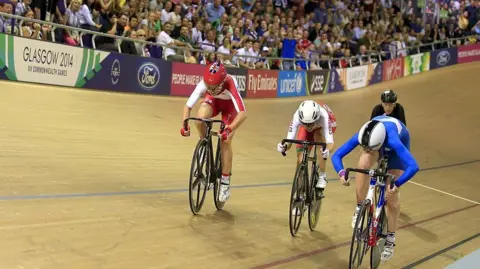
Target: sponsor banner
column 443, row 57
column 416, row 63
column 241, row 75
column 185, row 77
column 31, row 60
column 357, row 77
column 262, row 83
column 318, row 82
column 291, row 83
column 393, row 69
column 375, row 73
column 469, row 53
column 127, row 73
column 336, row 84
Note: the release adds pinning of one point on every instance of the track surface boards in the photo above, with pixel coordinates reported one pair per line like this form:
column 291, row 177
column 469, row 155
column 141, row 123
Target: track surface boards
column 99, row 180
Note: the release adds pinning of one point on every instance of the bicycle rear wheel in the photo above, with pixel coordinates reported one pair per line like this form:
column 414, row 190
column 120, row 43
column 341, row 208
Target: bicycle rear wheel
column 360, row 236
column 382, row 231
column 199, row 175
column 297, row 200
column 218, row 178
column 315, row 203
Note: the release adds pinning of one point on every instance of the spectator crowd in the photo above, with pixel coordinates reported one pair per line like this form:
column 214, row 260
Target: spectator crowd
column 312, row 31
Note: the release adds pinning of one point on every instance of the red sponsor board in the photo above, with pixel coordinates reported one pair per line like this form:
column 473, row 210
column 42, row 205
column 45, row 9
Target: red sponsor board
column 262, row 83
column 469, row 53
column 393, row 69
column 185, row 78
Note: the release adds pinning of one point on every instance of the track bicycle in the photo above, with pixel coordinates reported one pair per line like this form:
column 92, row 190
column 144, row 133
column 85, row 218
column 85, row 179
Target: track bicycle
column 303, row 192
column 206, row 170
column 373, row 234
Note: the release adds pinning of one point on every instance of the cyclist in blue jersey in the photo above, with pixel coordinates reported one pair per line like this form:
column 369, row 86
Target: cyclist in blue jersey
column 380, row 135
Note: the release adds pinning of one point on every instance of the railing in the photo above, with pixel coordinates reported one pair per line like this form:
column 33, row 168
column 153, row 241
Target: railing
column 372, row 57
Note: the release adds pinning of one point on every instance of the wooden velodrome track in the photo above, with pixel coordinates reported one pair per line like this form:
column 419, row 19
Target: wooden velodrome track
column 99, row 180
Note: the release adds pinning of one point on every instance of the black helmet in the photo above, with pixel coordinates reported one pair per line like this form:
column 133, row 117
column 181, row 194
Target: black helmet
column 389, row 96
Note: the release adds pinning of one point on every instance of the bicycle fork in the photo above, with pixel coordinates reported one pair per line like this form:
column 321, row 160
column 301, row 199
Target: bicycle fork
column 373, row 225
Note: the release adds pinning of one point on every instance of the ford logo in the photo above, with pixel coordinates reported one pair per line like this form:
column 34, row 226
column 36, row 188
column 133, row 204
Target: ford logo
column 443, row 58
column 115, row 72
column 148, row 76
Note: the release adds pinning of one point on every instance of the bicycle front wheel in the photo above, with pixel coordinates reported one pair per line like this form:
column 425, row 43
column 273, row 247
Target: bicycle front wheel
column 315, row 202
column 297, row 200
column 382, row 231
column 199, row 175
column 359, row 244
column 218, row 177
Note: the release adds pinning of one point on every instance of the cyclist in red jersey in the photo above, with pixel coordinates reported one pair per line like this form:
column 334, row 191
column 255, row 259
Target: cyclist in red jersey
column 221, row 96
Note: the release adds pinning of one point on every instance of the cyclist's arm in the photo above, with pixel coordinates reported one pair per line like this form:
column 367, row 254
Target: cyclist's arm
column 237, row 101
column 292, row 129
column 192, row 100
column 345, row 149
column 327, row 131
column 406, row 157
column 377, row 111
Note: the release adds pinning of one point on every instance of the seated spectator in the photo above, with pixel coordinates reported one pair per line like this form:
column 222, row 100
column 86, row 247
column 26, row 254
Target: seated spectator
column 245, row 51
column 165, row 39
column 151, row 26
column 209, row 43
column 23, row 7
column 8, row 25
column 127, row 46
column 214, row 10
column 85, row 18
column 30, row 29
column 226, row 57
column 262, row 61
column 112, row 26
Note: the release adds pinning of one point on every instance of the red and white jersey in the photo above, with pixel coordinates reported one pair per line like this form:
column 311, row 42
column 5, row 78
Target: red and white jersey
column 322, row 122
column 230, row 92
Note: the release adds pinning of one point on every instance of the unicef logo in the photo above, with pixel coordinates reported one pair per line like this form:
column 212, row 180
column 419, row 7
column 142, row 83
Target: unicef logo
column 443, row 58
column 298, row 82
column 115, row 72
column 148, row 76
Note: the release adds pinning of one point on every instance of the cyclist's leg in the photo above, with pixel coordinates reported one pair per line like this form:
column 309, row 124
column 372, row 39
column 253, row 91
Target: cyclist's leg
column 208, row 109
column 322, row 181
column 228, row 115
column 366, row 161
column 395, row 167
column 302, row 134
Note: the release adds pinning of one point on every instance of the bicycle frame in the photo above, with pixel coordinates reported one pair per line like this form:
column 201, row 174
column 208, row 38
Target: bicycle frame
column 306, row 157
column 377, row 180
column 377, row 209
column 208, row 137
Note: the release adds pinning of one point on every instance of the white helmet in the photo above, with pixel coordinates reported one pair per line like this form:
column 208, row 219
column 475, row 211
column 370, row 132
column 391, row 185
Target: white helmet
column 372, row 135
column 309, row 112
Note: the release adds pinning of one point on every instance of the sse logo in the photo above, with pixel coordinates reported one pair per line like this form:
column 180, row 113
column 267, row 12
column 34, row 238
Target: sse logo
column 148, row 76
column 317, row 83
column 443, row 58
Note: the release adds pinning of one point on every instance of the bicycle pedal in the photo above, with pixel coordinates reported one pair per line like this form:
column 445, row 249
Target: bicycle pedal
column 319, row 194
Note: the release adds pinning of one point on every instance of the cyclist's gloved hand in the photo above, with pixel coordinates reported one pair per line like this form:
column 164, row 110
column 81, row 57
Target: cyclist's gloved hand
column 325, row 154
column 225, row 132
column 185, row 131
column 281, row 147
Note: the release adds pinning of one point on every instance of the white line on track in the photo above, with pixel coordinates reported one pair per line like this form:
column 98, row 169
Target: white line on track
column 440, row 191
